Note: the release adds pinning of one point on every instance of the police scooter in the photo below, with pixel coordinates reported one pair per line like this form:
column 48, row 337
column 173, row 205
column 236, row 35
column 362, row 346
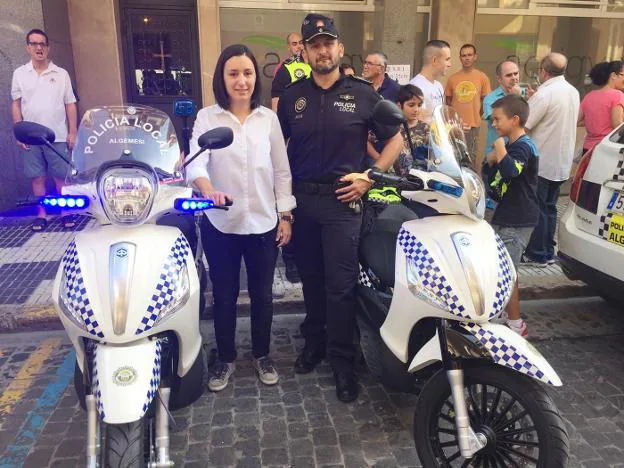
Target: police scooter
column 428, row 290
column 127, row 291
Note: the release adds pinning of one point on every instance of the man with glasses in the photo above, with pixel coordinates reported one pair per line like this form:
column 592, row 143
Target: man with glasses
column 375, row 71
column 42, row 93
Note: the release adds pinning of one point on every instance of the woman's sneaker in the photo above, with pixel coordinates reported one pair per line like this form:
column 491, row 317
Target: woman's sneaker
column 220, row 374
column 266, row 371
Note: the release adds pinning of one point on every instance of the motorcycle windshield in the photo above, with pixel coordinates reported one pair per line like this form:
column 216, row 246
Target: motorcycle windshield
column 447, row 143
column 126, row 133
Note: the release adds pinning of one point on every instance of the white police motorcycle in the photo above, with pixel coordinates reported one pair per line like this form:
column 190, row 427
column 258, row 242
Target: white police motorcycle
column 429, row 287
column 127, row 291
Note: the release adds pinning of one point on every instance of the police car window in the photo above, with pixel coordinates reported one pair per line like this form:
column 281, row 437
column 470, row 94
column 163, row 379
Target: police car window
column 618, row 137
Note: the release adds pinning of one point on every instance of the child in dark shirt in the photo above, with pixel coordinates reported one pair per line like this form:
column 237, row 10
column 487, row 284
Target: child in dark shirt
column 513, row 184
column 410, row 99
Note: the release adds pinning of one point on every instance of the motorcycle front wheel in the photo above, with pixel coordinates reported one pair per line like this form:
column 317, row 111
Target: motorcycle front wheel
column 125, row 445
column 522, row 425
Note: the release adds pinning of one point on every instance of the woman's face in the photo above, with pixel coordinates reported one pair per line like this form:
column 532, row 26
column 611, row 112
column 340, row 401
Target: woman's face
column 240, row 78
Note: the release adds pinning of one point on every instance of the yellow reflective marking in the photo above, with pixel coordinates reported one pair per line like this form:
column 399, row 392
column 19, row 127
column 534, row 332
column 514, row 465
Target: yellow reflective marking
column 24, row 378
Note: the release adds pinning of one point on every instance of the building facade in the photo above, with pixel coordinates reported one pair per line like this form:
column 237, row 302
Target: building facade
column 155, row 52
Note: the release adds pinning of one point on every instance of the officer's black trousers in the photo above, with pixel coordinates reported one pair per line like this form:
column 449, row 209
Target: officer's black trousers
column 326, row 237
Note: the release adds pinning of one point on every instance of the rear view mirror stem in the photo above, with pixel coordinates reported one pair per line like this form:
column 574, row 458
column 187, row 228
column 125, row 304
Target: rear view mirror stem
column 189, row 161
column 71, row 165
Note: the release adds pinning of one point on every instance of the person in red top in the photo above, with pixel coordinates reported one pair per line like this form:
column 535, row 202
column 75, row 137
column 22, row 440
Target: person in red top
column 602, row 110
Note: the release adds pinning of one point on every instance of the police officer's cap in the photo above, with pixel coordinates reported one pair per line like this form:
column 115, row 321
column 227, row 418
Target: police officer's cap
column 318, row 25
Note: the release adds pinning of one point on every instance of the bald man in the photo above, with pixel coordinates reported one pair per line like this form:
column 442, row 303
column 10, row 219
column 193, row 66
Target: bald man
column 554, row 110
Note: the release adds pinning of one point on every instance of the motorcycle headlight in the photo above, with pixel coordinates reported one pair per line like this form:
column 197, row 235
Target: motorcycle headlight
column 416, row 284
column 475, row 191
column 180, row 290
column 127, row 195
column 68, row 305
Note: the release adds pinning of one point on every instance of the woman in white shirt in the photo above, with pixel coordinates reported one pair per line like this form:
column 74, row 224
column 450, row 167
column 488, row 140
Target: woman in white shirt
column 253, row 172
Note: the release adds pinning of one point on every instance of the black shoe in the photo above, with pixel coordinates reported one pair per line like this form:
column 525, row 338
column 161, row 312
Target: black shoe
column 346, row 386
column 308, row 360
column 292, row 274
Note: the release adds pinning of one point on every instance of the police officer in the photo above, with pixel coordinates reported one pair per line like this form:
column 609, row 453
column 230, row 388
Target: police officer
column 326, row 119
column 291, row 70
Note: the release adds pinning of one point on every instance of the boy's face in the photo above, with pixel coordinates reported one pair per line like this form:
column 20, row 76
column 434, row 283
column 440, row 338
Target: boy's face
column 503, row 124
column 411, row 108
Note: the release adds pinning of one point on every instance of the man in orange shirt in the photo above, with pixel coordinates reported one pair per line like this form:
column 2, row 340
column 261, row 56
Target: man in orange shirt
column 465, row 91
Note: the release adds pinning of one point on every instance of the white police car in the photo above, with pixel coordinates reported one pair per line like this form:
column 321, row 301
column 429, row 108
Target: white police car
column 591, row 233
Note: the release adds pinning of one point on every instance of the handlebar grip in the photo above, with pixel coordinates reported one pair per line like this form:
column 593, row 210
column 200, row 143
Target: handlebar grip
column 378, row 176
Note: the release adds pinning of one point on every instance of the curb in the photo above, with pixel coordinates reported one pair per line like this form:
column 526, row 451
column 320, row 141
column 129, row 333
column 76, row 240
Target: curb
column 20, row 318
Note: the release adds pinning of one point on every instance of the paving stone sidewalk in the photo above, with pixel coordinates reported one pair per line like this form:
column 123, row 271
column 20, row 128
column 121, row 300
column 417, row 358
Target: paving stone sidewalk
column 300, row 422
column 29, row 260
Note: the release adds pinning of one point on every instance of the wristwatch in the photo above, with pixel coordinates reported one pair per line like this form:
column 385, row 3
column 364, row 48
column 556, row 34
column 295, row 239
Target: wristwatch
column 288, row 218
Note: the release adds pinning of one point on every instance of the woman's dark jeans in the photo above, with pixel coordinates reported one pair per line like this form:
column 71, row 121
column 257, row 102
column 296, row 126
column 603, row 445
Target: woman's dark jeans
column 224, row 253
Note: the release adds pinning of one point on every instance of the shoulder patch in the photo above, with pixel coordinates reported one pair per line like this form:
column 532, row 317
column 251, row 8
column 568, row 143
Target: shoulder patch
column 296, row 82
column 359, row 80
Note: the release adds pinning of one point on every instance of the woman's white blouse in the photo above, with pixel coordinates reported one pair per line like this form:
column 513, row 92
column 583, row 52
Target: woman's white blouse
column 254, row 170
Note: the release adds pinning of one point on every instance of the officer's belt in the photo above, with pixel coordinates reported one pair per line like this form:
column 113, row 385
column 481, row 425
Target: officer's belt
column 309, row 188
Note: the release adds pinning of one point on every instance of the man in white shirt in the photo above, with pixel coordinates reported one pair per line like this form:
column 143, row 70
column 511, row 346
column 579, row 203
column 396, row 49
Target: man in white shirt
column 42, row 93
column 554, row 110
column 437, row 62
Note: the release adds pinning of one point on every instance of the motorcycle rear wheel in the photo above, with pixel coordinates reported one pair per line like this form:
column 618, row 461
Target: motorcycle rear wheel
column 521, row 422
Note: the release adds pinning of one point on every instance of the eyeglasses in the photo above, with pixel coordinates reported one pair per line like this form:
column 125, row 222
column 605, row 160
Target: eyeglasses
column 38, row 44
column 371, row 64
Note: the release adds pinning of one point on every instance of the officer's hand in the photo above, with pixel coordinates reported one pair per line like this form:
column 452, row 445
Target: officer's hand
column 219, row 198
column 284, row 233
column 23, row 146
column 354, row 191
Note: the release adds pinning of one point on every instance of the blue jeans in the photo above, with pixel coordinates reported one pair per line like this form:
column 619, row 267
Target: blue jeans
column 541, row 247
column 224, row 253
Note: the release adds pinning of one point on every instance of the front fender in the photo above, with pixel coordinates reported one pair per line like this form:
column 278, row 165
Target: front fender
column 509, row 349
column 125, row 379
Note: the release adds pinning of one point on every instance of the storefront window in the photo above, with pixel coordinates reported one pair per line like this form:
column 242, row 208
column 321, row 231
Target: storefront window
column 264, row 31
column 526, row 39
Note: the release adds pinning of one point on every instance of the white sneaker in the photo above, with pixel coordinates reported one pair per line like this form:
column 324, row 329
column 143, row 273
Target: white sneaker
column 279, row 291
column 522, row 330
column 266, row 371
column 220, row 375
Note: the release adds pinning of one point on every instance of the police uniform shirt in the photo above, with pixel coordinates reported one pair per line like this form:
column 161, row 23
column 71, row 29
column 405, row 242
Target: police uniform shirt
column 291, row 70
column 328, row 129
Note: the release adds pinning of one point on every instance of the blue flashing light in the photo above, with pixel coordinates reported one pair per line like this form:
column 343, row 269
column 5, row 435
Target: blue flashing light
column 67, row 202
column 452, row 190
column 192, row 204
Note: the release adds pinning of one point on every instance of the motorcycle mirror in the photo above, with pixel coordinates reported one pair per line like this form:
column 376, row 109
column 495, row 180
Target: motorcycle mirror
column 216, row 138
column 31, row 133
column 388, row 113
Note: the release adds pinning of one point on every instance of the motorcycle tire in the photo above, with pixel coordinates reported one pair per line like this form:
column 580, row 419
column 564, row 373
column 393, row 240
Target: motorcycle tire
column 499, row 415
column 125, row 445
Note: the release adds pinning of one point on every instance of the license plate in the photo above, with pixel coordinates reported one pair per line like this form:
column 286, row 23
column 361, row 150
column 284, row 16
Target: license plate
column 616, row 230
column 617, row 202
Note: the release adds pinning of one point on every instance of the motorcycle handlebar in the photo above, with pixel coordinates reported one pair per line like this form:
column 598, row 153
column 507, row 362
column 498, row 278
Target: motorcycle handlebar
column 402, row 183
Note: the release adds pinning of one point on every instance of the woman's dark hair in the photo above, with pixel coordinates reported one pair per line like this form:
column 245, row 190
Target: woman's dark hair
column 601, row 72
column 218, row 82
column 407, row 92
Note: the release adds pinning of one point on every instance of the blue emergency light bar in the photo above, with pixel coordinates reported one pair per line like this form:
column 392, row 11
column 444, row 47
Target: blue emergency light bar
column 193, row 204
column 66, row 202
column 452, row 190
